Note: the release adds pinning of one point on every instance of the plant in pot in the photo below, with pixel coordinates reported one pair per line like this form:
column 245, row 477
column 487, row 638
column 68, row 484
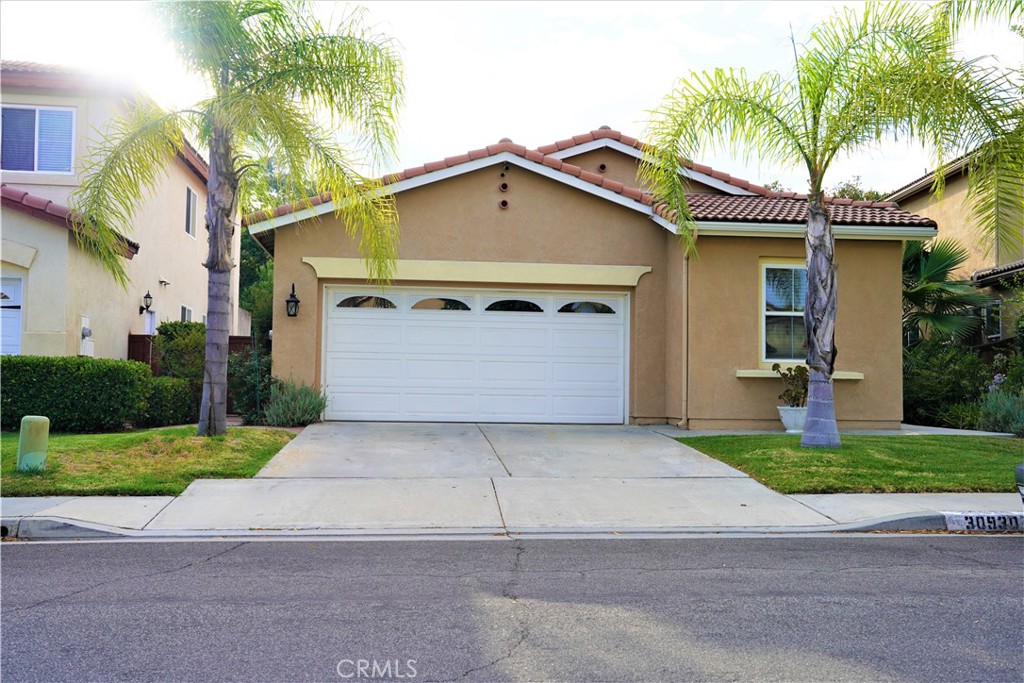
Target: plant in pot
column 794, row 413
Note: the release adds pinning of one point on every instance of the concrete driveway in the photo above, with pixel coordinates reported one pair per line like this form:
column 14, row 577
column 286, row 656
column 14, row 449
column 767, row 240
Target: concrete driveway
column 378, row 450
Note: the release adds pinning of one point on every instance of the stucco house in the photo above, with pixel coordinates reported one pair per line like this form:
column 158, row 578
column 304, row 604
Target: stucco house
column 990, row 267
column 541, row 285
column 51, row 289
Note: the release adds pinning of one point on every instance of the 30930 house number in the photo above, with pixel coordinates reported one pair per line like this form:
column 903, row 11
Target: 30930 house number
column 984, row 521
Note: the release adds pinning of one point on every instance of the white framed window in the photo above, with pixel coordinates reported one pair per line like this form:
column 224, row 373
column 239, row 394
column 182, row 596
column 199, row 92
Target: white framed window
column 783, row 290
column 186, row 314
column 38, row 139
column 191, row 211
column 10, row 316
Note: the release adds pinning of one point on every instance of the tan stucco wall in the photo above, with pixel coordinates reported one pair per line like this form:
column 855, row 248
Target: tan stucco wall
column 459, row 219
column 724, row 322
column 74, row 285
column 622, row 168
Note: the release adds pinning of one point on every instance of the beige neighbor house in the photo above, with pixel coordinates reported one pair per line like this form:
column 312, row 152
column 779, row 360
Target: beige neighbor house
column 990, row 267
column 51, row 289
column 542, row 286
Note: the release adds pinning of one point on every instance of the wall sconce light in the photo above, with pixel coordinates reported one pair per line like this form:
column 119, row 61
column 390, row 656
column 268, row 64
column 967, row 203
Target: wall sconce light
column 147, row 301
column 291, row 304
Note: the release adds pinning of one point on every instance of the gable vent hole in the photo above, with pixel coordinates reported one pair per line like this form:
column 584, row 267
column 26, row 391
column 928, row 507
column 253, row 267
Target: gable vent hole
column 4, row 531
column 602, row 168
column 503, row 187
column 503, row 204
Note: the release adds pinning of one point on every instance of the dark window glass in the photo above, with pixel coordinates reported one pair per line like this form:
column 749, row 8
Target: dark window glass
column 784, row 338
column 585, row 307
column 515, row 306
column 440, row 304
column 366, row 302
column 17, row 148
column 785, row 289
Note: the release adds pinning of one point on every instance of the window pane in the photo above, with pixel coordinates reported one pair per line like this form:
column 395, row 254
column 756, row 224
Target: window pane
column 585, row 307
column 440, row 304
column 515, row 306
column 365, row 302
column 785, row 289
column 784, row 338
column 55, row 140
column 18, row 146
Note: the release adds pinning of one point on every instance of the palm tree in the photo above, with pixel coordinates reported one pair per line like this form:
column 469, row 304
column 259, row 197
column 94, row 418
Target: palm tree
column 933, row 302
column 887, row 71
column 274, row 70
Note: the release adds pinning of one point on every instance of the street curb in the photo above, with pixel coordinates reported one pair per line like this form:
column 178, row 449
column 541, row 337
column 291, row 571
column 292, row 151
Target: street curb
column 61, row 529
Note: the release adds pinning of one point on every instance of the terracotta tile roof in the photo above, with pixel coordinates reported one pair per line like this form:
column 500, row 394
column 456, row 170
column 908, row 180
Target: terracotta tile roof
column 789, row 207
column 608, row 133
column 991, row 276
column 52, row 212
column 763, row 207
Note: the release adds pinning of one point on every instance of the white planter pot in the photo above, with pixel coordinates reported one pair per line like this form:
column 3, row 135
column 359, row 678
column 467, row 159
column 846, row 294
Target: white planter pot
column 793, row 419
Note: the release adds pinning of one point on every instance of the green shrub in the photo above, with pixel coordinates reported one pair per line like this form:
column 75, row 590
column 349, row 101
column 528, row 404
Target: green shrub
column 961, row 415
column 180, row 349
column 77, row 394
column 250, row 384
column 1002, row 411
column 937, row 375
column 294, row 405
column 169, row 401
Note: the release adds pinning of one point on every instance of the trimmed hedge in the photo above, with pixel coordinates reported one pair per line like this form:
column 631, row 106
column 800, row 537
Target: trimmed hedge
column 77, row 394
column 169, row 401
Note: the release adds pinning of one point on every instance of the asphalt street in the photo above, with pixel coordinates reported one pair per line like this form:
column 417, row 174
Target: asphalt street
column 861, row 608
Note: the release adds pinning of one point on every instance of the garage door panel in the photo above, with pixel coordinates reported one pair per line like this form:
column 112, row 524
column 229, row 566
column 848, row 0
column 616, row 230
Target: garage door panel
column 438, row 405
column 363, row 368
column 444, row 369
column 587, row 373
column 363, row 335
column 456, row 338
column 438, row 364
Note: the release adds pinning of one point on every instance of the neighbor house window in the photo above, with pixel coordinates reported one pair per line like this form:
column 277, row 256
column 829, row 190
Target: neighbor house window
column 191, row 211
column 37, row 139
column 783, row 289
column 186, row 314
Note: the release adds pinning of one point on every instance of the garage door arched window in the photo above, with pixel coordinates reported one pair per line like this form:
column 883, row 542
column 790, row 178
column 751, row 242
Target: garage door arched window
column 515, row 306
column 366, row 302
column 440, row 304
column 586, row 307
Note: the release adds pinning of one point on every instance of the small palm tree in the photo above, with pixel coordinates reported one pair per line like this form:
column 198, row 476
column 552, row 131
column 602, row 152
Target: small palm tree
column 935, row 304
column 275, row 71
column 887, row 71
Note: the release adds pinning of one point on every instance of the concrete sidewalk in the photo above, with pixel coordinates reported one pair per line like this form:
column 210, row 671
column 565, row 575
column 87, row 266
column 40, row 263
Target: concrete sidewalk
column 481, row 507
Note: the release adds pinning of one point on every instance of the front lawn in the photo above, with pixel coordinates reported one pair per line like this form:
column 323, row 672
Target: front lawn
column 871, row 464
column 153, row 462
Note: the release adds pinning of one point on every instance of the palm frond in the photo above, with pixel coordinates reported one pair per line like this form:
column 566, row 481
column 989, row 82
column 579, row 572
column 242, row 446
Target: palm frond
column 721, row 109
column 123, row 167
column 313, row 159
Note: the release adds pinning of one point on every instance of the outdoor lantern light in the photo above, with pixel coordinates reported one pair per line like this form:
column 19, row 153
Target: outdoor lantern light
column 147, row 301
column 291, row 304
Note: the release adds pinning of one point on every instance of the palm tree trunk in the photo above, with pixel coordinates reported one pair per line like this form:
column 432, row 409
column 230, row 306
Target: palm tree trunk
column 820, row 429
column 221, row 209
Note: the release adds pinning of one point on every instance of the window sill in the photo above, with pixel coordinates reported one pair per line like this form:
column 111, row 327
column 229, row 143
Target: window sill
column 768, row 374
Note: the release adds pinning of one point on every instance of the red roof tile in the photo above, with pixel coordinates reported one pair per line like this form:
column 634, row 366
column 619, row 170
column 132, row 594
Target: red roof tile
column 763, row 207
column 52, row 212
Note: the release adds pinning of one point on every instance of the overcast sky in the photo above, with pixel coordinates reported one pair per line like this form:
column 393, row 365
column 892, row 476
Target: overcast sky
column 480, row 71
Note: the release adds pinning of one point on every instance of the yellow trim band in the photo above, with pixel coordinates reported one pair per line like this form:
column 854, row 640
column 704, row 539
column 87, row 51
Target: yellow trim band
column 485, row 271
column 838, row 374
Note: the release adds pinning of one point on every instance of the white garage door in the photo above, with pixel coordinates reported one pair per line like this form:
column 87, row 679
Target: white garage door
column 475, row 356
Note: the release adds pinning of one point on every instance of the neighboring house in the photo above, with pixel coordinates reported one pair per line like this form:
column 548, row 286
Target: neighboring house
column 542, row 286
column 989, row 266
column 51, row 289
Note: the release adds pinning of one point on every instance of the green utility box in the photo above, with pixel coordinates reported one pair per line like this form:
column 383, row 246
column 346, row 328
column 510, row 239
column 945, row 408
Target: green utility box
column 32, row 443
